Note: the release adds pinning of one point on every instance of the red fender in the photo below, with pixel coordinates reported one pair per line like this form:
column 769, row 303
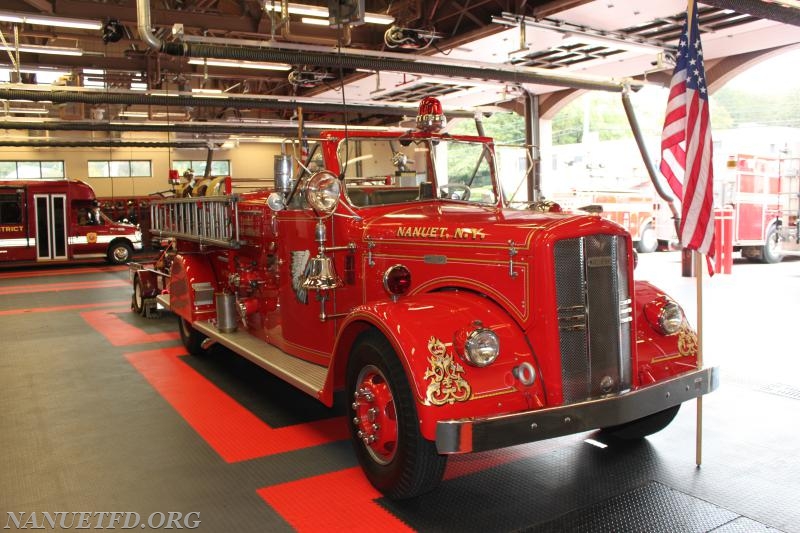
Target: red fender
column 192, row 285
column 660, row 356
column 421, row 328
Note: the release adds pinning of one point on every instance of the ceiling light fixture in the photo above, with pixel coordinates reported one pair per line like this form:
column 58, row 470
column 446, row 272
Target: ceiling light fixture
column 320, row 11
column 44, row 20
column 314, row 21
column 38, row 49
column 134, row 114
column 28, row 110
column 238, row 64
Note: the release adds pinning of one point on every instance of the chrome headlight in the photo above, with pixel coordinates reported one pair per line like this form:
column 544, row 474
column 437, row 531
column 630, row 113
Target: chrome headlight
column 480, row 346
column 322, row 192
column 665, row 315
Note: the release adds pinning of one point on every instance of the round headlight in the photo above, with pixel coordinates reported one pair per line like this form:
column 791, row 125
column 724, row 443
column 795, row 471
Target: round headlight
column 322, row 192
column 664, row 315
column 481, row 347
column 397, row 280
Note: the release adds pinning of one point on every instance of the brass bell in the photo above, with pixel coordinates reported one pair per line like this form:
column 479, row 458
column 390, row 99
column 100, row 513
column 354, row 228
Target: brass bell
column 321, row 274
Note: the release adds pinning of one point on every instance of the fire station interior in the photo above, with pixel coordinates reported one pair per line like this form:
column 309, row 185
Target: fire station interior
column 104, row 410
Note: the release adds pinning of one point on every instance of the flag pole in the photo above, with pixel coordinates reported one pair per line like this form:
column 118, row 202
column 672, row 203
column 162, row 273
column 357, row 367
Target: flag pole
column 698, row 268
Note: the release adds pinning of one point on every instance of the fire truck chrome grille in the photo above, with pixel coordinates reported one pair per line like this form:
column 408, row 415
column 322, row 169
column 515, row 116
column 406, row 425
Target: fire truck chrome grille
column 594, row 316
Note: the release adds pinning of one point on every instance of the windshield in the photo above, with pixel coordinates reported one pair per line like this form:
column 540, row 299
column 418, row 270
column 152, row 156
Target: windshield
column 392, row 171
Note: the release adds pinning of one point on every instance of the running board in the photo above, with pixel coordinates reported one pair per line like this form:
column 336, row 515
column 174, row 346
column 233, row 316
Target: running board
column 307, row 377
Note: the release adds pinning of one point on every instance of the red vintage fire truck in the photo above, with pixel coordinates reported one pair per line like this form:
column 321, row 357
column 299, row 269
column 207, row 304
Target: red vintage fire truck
column 455, row 322
column 762, row 195
column 59, row 220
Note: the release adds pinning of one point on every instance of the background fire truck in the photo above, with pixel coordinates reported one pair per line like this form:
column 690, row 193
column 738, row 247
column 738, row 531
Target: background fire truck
column 59, row 220
column 638, row 210
column 762, row 194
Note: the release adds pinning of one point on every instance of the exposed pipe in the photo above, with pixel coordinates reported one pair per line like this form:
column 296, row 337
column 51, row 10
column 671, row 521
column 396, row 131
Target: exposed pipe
column 533, row 141
column 173, row 127
column 362, row 59
column 648, row 163
column 182, row 99
column 103, row 144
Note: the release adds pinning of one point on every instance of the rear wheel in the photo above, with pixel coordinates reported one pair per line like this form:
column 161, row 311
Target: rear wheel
column 384, row 425
column 772, row 251
column 137, row 302
column 639, row 429
column 191, row 338
column 648, row 240
column 119, row 253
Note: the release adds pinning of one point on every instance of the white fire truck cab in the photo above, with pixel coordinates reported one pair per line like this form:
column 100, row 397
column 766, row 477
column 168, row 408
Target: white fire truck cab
column 59, row 220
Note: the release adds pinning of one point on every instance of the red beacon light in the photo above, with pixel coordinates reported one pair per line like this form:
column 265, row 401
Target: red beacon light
column 430, row 117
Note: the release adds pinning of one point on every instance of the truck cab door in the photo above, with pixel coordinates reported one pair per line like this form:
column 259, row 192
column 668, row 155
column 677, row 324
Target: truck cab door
column 50, row 213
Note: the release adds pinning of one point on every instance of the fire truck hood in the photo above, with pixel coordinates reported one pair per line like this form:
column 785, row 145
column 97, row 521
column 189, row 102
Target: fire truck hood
column 490, row 226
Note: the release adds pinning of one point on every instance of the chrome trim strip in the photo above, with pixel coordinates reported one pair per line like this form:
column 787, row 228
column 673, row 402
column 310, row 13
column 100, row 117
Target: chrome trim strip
column 475, row 435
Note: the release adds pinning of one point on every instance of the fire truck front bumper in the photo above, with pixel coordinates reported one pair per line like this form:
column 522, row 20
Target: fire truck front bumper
column 480, row 434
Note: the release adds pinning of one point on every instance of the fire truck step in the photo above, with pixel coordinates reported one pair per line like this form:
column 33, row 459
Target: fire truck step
column 307, row 377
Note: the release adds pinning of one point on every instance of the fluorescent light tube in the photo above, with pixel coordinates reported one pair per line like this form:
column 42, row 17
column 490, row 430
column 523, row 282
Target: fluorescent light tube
column 320, row 11
column 45, row 20
column 314, row 21
column 237, row 64
column 37, row 49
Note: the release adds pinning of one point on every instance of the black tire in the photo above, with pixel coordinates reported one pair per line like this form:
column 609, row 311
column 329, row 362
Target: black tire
column 639, row 429
column 119, row 253
column 771, row 252
column 648, row 240
column 191, row 338
column 137, row 300
column 399, row 462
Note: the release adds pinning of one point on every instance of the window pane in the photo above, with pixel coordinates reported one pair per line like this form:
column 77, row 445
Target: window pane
column 52, row 169
column 98, row 169
column 10, row 212
column 199, row 168
column 8, row 170
column 221, row 168
column 140, row 168
column 120, row 169
column 29, row 170
column 182, row 166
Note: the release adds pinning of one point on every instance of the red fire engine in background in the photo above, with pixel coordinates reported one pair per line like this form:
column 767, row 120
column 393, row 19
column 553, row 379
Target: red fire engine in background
column 637, row 210
column 454, row 322
column 59, row 220
column 762, row 194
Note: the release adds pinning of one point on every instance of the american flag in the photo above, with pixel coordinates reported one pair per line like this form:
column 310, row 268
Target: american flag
column 686, row 141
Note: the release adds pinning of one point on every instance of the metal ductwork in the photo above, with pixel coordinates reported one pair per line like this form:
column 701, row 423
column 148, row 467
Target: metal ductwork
column 172, row 127
column 348, row 58
column 101, row 96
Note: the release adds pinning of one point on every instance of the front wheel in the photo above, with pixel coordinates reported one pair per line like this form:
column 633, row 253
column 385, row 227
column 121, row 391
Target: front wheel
column 119, row 253
column 639, row 429
column 384, row 425
column 191, row 338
